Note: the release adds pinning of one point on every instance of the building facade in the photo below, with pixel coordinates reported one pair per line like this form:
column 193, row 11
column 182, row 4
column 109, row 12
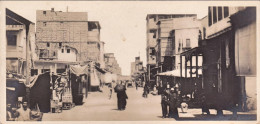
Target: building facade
column 55, row 29
column 137, row 66
column 20, row 42
column 159, row 36
column 111, row 64
column 221, row 55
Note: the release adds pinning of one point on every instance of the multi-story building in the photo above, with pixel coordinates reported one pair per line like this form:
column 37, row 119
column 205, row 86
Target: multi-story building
column 55, row 29
column 111, row 64
column 20, row 40
column 138, row 71
column 153, row 47
column 137, row 66
column 174, row 37
column 65, row 37
column 95, row 46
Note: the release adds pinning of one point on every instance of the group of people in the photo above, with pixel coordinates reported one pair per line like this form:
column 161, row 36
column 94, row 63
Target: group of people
column 21, row 113
column 170, row 102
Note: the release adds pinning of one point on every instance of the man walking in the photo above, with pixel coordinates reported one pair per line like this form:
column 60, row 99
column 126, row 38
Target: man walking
column 121, row 96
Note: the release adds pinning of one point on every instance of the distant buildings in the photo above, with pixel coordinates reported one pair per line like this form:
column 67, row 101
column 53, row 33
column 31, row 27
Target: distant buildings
column 138, row 70
column 111, row 64
column 137, row 66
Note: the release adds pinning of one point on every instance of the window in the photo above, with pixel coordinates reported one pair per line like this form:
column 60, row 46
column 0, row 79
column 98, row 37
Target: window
column 11, row 40
column 45, row 70
column 54, row 53
column 68, row 50
column 48, row 44
column 60, row 71
column 44, row 24
column 152, row 51
column 62, row 50
column 226, row 12
column 44, row 12
column 214, row 15
column 210, row 16
column 34, row 72
column 154, row 35
column 60, row 44
column 187, row 42
column 220, row 13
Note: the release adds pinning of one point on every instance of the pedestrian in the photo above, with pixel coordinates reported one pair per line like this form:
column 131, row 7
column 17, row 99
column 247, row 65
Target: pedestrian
column 24, row 112
column 136, row 85
column 204, row 106
column 121, row 96
column 164, row 103
column 111, row 86
column 146, row 90
column 173, row 100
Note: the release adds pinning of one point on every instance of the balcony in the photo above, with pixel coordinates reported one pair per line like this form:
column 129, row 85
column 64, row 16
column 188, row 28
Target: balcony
column 46, row 54
column 218, row 27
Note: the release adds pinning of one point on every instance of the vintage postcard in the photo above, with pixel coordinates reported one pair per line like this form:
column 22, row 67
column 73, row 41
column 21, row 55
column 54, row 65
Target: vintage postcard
column 129, row 61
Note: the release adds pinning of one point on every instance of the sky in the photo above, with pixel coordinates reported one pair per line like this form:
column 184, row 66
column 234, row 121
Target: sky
column 123, row 23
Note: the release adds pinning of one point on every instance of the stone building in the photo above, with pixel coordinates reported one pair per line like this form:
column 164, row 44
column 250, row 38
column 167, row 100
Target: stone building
column 55, row 29
column 137, row 66
column 111, row 64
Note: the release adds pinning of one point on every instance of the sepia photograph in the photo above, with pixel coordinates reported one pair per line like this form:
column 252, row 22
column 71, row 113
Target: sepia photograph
column 167, row 61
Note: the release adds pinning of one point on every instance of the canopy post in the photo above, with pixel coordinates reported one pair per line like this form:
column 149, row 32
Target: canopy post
column 181, row 65
column 197, row 73
column 185, row 68
column 191, row 80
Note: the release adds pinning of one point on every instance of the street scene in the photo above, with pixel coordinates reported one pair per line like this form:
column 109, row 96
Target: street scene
column 73, row 65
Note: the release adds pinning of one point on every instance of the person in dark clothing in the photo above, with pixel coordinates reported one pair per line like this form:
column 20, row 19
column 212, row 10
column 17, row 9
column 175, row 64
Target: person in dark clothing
column 164, row 103
column 76, row 87
column 136, row 85
column 173, row 111
column 203, row 104
column 146, row 90
column 40, row 93
column 121, row 96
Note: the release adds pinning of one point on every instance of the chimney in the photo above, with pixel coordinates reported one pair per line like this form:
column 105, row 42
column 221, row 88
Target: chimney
column 67, row 8
column 52, row 9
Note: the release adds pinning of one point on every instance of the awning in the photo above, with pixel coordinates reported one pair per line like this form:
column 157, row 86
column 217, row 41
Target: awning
column 79, row 70
column 176, row 73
